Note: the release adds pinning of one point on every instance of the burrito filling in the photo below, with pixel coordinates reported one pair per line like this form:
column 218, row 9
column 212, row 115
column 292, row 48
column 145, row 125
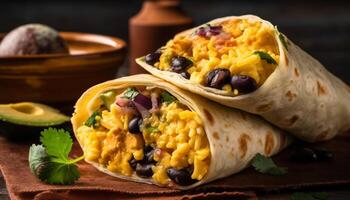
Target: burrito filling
column 148, row 132
column 235, row 56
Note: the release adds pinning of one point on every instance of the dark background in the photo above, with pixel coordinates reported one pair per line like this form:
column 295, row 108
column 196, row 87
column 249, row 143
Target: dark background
column 322, row 28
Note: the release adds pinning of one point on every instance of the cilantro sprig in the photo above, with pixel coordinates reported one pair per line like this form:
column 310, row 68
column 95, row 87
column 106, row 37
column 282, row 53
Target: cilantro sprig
column 167, row 98
column 266, row 165
column 49, row 161
column 265, row 56
column 131, row 93
column 151, row 129
column 91, row 121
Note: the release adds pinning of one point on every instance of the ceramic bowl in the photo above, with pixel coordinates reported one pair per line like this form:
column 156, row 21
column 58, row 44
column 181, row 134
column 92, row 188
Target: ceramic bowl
column 61, row 78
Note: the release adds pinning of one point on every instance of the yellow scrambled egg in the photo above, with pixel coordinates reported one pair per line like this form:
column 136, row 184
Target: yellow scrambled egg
column 233, row 49
column 175, row 132
column 182, row 141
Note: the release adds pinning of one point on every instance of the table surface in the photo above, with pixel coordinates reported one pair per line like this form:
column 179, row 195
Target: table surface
column 339, row 193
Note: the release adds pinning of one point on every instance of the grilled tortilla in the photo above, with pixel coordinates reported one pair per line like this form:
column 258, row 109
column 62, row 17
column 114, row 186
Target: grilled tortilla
column 182, row 140
column 244, row 62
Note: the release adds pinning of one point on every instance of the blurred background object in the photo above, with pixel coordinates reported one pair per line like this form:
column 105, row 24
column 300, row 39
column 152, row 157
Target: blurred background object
column 320, row 27
column 59, row 79
column 151, row 28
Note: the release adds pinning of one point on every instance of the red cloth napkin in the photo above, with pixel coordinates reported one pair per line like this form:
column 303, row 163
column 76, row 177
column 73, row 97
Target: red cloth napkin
column 93, row 184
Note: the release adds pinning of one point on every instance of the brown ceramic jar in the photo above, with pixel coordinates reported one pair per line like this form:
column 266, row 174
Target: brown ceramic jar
column 156, row 23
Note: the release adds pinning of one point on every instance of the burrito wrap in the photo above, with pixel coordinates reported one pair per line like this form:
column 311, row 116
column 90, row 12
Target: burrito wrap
column 234, row 136
column 300, row 95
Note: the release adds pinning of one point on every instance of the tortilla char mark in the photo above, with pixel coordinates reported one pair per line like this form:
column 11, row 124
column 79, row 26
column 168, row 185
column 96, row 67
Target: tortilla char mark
column 243, row 144
column 292, row 120
column 290, row 95
column 322, row 136
column 264, row 107
column 269, row 143
column 296, row 72
column 321, row 90
column 216, row 135
column 209, row 116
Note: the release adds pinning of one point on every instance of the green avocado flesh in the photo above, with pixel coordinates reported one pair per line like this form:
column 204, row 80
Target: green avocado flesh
column 31, row 114
column 108, row 98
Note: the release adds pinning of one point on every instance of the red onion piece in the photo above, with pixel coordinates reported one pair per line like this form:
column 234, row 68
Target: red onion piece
column 158, row 152
column 215, row 30
column 122, row 101
column 155, row 102
column 201, row 31
column 126, row 105
column 143, row 100
column 209, row 31
column 142, row 110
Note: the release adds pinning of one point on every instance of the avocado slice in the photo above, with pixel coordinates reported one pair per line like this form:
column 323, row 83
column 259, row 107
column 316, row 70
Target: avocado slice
column 26, row 120
column 108, row 98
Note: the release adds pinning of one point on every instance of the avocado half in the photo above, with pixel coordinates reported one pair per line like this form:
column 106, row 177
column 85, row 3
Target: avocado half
column 26, row 120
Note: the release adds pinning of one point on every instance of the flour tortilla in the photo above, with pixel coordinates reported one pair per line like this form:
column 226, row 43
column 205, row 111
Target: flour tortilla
column 300, row 96
column 235, row 137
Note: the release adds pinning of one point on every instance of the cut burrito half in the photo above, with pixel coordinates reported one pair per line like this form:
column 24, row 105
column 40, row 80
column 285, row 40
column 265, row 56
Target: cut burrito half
column 244, row 62
column 144, row 129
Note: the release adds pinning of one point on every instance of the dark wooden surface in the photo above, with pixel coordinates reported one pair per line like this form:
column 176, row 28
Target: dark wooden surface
column 341, row 193
column 320, row 27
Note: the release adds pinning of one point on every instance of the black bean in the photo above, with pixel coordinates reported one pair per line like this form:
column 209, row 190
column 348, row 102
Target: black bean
column 322, row 154
column 185, row 74
column 148, row 152
column 217, row 78
column 304, row 155
column 144, row 170
column 147, row 149
column 148, row 157
column 152, row 58
column 179, row 64
column 160, row 50
column 181, row 177
column 244, row 84
column 133, row 162
column 134, row 125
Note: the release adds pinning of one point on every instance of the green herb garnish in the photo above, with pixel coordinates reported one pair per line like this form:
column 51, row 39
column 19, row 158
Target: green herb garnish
column 49, row 161
column 91, row 121
column 265, row 56
column 151, row 129
column 266, row 165
column 309, row 196
column 283, row 40
column 131, row 93
column 167, row 98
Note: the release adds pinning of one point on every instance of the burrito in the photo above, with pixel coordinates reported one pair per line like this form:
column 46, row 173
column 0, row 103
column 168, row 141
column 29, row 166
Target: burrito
column 144, row 129
column 244, row 62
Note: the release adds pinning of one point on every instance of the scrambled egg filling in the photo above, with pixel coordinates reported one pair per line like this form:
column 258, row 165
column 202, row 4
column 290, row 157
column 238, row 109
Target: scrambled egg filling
column 174, row 132
column 234, row 48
